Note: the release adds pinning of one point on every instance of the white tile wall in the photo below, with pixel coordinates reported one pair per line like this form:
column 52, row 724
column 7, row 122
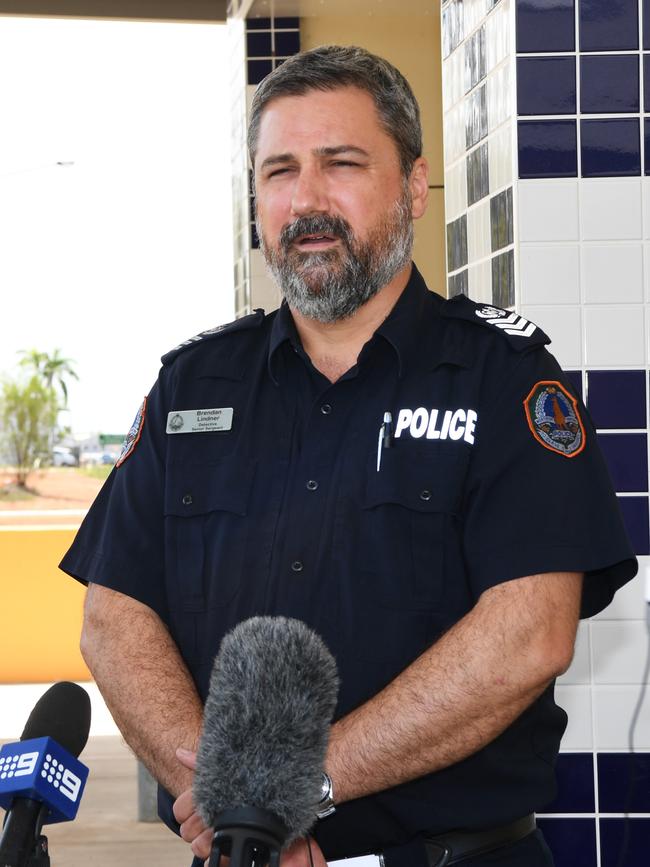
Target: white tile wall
column 619, row 651
column 646, row 269
column 611, row 209
column 498, row 34
column 614, row 335
column 613, row 707
column 500, row 103
column 549, row 273
column 576, row 701
column 455, row 191
column 612, row 272
column 548, row 211
column 480, row 281
column 478, row 231
column 562, row 324
column 500, row 158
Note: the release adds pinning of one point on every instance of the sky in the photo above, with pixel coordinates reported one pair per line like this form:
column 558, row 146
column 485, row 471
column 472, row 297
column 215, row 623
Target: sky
column 120, row 256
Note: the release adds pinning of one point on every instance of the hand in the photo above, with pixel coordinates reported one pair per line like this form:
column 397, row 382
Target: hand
column 193, row 831
column 297, row 855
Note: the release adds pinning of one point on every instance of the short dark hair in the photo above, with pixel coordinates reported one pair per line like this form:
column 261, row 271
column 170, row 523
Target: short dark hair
column 333, row 66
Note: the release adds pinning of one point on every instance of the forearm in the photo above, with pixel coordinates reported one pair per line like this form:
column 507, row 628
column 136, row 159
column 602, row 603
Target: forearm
column 455, row 698
column 144, row 682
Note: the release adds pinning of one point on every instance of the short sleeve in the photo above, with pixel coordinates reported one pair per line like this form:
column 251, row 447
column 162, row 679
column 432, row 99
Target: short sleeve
column 538, row 494
column 120, row 543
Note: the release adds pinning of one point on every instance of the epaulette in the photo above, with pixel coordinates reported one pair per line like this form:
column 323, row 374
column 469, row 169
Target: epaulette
column 253, row 320
column 521, row 333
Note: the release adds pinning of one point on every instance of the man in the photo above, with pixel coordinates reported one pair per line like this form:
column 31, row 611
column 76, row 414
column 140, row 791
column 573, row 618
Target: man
column 414, row 482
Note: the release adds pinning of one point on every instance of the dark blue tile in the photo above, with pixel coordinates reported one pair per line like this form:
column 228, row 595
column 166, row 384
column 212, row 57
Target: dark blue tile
column 575, row 784
column 617, row 398
column 457, row 284
column 609, row 25
column 627, row 460
column 610, row 148
column 547, row 149
column 575, row 378
column 258, row 69
column 646, row 82
column 503, row 279
column 476, row 125
column 546, row 85
column 609, row 83
column 478, row 174
column 612, row 833
column 255, row 241
column 259, row 44
column 637, row 522
column 258, row 24
column 287, row 44
column 624, row 783
column 646, row 24
column 572, row 841
column 545, row 26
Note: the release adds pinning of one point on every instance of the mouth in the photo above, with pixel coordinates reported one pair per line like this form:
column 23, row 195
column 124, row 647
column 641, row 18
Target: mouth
column 315, row 241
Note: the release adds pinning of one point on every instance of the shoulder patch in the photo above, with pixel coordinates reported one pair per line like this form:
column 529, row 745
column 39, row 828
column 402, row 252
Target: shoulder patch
column 253, row 320
column 554, row 418
column 520, row 332
column 134, row 434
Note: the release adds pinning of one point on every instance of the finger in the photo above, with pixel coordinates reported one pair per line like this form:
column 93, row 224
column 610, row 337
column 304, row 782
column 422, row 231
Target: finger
column 192, row 828
column 203, row 843
column 183, row 806
column 187, row 758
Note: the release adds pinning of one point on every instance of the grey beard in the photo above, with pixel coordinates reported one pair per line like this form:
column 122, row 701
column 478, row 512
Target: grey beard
column 334, row 284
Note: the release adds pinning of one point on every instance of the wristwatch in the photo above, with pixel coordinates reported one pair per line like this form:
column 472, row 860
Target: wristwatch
column 325, row 806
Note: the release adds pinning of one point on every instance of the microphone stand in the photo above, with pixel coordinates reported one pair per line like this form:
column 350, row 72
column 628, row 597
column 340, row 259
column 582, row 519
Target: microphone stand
column 249, row 836
column 21, row 843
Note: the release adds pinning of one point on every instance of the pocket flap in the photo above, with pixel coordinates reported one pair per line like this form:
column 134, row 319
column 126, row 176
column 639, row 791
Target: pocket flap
column 423, row 484
column 196, row 489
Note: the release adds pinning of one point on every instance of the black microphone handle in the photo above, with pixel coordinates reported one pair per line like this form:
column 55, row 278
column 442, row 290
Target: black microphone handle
column 249, row 836
column 21, row 833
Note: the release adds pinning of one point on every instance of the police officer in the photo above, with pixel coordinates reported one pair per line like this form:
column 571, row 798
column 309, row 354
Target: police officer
column 412, row 477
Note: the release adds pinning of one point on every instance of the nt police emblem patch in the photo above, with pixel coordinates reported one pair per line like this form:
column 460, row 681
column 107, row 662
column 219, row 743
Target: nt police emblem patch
column 554, row 419
column 134, row 434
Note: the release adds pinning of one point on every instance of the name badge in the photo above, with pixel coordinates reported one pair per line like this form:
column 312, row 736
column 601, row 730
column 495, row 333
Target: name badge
column 199, row 420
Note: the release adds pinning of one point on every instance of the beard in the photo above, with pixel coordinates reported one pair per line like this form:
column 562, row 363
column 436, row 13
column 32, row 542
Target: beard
column 333, row 284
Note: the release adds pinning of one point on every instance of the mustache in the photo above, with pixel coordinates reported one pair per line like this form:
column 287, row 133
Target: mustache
column 318, row 224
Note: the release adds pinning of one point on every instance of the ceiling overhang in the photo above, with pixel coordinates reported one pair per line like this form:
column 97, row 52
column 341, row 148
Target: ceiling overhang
column 141, row 10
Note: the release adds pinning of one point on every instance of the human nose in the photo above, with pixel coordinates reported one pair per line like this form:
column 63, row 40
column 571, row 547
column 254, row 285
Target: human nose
column 309, row 194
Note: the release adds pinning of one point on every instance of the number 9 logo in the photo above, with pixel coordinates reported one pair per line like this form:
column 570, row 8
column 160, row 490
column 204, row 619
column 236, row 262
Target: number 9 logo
column 70, row 785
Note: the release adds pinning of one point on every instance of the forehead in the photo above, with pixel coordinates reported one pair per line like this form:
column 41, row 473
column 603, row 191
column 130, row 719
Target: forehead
column 320, row 119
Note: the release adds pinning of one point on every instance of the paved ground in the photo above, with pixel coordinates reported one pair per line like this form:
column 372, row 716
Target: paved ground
column 105, row 832
column 66, row 493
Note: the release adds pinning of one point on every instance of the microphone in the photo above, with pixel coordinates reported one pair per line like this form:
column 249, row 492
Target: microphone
column 266, row 725
column 41, row 780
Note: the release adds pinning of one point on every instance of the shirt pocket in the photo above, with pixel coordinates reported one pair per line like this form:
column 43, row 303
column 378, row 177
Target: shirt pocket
column 206, row 510
column 408, row 512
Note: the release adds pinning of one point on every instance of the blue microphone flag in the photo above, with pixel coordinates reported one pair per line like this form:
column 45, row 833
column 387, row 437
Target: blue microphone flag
column 42, row 770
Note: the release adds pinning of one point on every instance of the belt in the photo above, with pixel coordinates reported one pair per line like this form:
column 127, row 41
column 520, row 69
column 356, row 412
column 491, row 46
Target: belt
column 447, row 849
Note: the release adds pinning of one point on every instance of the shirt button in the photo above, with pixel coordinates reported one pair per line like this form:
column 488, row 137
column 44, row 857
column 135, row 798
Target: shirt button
column 296, row 566
column 326, row 409
column 312, row 485
column 425, row 495
column 187, row 500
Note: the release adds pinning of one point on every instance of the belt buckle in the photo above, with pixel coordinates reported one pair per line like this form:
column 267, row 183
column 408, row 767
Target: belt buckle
column 438, row 854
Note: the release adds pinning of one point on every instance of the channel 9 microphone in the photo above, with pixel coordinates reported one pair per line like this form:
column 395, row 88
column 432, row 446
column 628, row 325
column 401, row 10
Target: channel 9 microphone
column 41, row 780
column 265, row 731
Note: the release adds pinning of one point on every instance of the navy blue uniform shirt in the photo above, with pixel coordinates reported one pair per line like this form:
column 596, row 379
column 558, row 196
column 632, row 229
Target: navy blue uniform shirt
column 493, row 474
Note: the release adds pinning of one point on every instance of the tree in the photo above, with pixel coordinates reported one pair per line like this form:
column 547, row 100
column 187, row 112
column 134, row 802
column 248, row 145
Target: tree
column 52, row 369
column 29, row 412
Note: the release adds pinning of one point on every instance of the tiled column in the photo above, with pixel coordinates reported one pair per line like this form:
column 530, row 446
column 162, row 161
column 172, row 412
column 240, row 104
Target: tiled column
column 258, row 45
column 552, row 100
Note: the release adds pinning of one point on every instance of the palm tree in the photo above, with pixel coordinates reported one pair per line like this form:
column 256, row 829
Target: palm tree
column 53, row 369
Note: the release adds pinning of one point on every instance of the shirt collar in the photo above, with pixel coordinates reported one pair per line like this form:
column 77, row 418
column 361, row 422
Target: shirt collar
column 400, row 328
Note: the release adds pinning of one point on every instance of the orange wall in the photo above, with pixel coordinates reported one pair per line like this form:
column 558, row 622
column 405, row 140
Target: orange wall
column 41, row 608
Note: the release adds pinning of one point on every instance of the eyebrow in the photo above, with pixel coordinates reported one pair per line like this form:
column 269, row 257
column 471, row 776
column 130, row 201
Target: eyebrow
column 279, row 159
